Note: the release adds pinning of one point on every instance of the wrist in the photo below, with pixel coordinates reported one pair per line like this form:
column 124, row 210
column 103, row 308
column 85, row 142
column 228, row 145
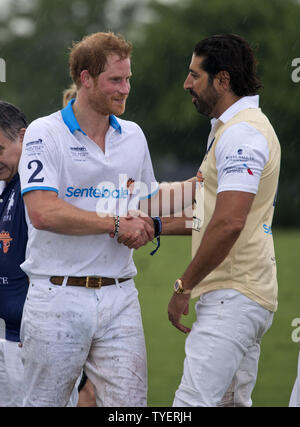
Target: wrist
column 157, row 231
column 157, row 225
column 180, row 288
column 106, row 224
column 116, row 225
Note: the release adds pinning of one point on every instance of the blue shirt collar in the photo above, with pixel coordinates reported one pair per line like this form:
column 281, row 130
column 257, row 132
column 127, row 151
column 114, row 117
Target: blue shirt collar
column 114, row 123
column 72, row 123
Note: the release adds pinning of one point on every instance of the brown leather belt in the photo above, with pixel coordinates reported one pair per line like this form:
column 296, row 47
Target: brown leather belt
column 88, row 281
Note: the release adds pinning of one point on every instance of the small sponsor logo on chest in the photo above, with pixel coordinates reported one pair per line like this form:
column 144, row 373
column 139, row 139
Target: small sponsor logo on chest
column 80, row 154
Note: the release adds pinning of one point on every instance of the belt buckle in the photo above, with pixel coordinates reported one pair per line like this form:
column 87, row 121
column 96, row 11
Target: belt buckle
column 87, row 280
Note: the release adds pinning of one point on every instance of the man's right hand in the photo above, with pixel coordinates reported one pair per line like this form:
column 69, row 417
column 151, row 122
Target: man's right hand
column 134, row 231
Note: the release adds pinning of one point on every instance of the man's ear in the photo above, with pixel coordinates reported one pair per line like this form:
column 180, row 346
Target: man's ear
column 86, row 79
column 223, row 79
column 21, row 134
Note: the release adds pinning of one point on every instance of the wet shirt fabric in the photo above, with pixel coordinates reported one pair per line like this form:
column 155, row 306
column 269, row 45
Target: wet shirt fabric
column 13, row 239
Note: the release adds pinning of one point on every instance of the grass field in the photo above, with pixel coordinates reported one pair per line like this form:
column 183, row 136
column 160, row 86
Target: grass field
column 165, row 344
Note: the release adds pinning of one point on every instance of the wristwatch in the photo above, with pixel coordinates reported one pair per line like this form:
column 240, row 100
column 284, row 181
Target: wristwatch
column 179, row 289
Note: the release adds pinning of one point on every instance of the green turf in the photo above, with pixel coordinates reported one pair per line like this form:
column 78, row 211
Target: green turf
column 165, row 344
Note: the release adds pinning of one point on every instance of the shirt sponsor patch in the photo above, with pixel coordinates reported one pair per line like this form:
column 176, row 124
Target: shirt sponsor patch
column 34, row 147
column 79, row 154
column 267, row 229
column 238, row 169
column 97, row 193
column 239, row 162
column 241, row 156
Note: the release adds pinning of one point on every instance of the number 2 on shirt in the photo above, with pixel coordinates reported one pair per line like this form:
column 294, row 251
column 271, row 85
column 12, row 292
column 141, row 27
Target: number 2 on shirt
column 38, row 167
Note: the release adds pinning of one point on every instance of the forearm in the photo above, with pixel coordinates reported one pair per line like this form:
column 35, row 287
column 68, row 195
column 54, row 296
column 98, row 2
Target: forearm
column 224, row 228
column 63, row 218
column 221, row 233
column 176, row 226
column 176, row 197
column 173, row 197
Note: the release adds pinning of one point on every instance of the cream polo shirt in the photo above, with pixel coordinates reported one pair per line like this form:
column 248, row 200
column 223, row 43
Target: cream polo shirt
column 58, row 156
column 243, row 154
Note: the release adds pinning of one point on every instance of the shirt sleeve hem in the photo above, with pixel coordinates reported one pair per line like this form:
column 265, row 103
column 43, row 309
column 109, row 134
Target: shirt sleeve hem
column 26, row 190
column 235, row 188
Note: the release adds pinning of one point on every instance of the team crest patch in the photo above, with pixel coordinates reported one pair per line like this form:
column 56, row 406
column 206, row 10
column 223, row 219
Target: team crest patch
column 5, row 240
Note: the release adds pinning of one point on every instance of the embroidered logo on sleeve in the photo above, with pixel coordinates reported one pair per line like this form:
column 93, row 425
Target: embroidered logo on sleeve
column 34, row 148
column 248, row 169
column 237, row 162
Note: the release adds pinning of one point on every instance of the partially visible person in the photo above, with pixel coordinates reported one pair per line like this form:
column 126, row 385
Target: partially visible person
column 13, row 239
column 69, row 94
column 295, row 395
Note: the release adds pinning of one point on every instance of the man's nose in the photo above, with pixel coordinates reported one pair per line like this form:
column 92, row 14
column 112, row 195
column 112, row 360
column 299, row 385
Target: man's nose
column 125, row 88
column 188, row 83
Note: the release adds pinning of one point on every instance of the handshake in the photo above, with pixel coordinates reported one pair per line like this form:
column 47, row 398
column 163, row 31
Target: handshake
column 134, row 230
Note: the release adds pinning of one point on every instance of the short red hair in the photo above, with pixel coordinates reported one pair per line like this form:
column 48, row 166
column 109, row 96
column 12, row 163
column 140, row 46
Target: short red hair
column 92, row 51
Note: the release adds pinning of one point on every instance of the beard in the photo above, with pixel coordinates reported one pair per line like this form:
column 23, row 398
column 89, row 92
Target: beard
column 99, row 104
column 206, row 102
column 105, row 105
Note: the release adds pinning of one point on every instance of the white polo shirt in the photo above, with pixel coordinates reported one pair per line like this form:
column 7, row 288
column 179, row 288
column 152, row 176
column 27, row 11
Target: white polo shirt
column 242, row 151
column 58, row 156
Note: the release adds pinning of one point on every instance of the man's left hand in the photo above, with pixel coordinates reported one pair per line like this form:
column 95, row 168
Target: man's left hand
column 178, row 306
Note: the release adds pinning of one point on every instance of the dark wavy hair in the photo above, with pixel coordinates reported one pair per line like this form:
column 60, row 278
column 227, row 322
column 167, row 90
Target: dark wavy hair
column 231, row 53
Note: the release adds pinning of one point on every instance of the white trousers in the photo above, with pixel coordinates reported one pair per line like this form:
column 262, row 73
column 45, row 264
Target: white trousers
column 11, row 374
column 67, row 328
column 295, row 396
column 222, row 350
